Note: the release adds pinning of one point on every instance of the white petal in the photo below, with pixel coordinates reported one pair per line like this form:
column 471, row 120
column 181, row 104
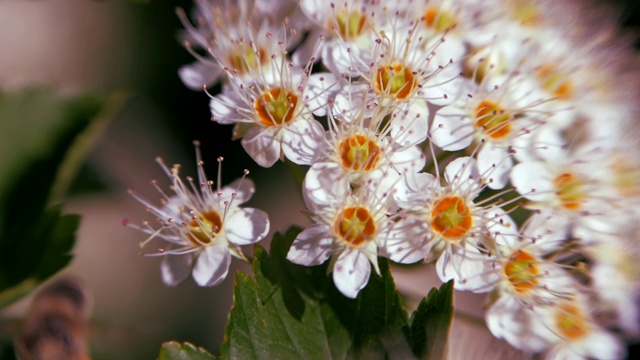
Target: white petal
column 346, row 58
column 549, row 143
column 351, row 272
column 349, row 103
column 408, row 241
column 494, row 165
column 448, row 80
column 509, row 320
column 243, row 188
column 410, row 126
column 176, row 268
column 463, row 174
column 469, row 269
column 533, row 181
column 262, row 146
column 321, row 88
column 324, row 185
column 247, row 226
column 547, row 229
column 451, row 130
column 224, row 109
column 212, row 266
column 414, row 190
column 312, row 246
column 199, row 73
column 601, row 344
column 303, row 141
column 408, row 160
column 502, row 228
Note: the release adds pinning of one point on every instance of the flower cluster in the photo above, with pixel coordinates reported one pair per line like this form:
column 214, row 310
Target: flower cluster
column 493, row 138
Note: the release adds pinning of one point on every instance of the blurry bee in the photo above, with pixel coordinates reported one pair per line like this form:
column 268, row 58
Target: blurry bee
column 56, row 326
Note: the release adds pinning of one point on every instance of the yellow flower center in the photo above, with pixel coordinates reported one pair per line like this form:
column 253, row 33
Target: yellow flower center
column 451, row 217
column 525, row 12
column 555, row 82
column 205, row 228
column 358, row 152
column 349, row 24
column 439, row 20
column 569, row 190
column 396, row 80
column 626, row 177
column 571, row 322
column 276, row 107
column 245, row 58
column 522, row 272
column 355, row 225
column 493, row 119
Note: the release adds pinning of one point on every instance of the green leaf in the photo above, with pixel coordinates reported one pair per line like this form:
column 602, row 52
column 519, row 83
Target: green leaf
column 174, row 350
column 430, row 323
column 295, row 312
column 45, row 250
column 44, row 139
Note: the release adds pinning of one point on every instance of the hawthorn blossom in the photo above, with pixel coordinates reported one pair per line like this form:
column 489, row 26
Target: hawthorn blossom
column 233, row 36
column 350, row 227
column 274, row 117
column 452, row 223
column 201, row 227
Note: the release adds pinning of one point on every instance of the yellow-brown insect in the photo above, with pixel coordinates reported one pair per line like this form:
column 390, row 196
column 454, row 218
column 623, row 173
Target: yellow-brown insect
column 56, row 325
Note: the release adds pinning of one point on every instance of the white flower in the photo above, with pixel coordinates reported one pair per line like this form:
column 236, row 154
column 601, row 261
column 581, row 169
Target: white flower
column 232, row 36
column 453, row 225
column 201, row 227
column 574, row 334
column 349, row 227
column 574, row 185
column 615, row 276
column 274, row 117
column 492, row 115
column 526, row 277
column 358, row 154
column 343, row 31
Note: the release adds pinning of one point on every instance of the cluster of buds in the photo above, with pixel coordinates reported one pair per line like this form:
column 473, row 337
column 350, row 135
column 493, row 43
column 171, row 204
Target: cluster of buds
column 493, row 138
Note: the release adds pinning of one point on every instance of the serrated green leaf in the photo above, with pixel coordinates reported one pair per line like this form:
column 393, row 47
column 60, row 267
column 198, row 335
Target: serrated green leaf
column 38, row 130
column 174, row 350
column 54, row 237
column 430, row 323
column 294, row 312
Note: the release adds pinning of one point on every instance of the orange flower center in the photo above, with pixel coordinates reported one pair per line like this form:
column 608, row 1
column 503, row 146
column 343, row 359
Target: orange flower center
column 396, row 80
column 358, row 152
column 493, row 119
column 451, row 217
column 204, row 229
column 569, row 190
column 439, row 20
column 555, row 82
column 522, row 272
column 571, row 322
column 276, row 107
column 355, row 225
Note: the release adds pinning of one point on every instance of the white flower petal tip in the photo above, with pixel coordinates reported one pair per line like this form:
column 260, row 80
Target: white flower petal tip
column 176, row 268
column 351, row 273
column 247, row 226
column 311, row 247
column 212, row 266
